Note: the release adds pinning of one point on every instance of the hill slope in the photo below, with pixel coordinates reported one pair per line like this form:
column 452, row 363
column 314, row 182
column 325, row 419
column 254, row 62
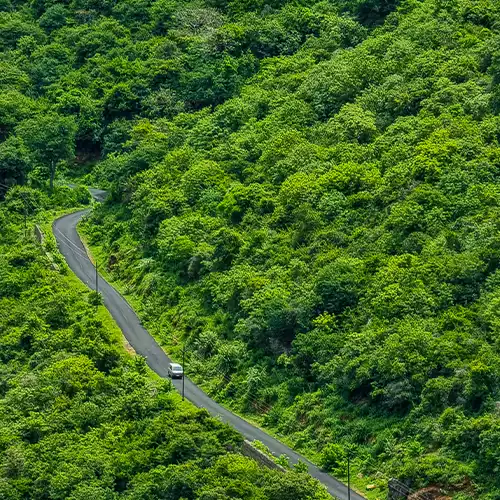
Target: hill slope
column 307, row 196
column 328, row 240
column 79, row 419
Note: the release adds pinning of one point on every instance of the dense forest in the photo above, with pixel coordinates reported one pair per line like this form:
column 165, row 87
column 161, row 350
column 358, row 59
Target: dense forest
column 303, row 193
column 80, row 419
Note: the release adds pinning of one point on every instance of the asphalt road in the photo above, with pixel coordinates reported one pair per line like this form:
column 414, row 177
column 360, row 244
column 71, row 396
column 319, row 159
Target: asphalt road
column 70, row 245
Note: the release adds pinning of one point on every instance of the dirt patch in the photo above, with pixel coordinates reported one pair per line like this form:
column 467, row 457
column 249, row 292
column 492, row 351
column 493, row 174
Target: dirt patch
column 429, row 493
column 128, row 347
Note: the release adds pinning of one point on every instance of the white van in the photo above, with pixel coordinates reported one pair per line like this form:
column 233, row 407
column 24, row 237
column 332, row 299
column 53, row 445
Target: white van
column 175, row 370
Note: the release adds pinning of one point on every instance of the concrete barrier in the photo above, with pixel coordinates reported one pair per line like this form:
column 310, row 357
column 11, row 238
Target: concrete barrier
column 40, row 238
column 249, row 450
column 39, row 235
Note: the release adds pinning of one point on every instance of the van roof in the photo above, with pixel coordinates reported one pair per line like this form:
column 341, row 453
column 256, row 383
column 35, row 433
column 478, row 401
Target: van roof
column 175, row 365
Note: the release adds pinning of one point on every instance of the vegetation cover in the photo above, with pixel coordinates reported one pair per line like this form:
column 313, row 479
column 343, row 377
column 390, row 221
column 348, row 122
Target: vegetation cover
column 304, row 193
column 80, row 419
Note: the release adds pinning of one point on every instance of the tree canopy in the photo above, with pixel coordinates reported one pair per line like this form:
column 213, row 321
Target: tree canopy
column 305, row 194
column 80, row 418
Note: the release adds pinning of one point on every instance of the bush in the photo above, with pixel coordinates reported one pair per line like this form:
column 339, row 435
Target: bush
column 95, row 298
column 22, row 198
column 64, row 196
column 334, row 459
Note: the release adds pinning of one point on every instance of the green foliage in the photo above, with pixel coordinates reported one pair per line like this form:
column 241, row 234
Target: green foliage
column 15, row 162
column 21, row 199
column 81, row 419
column 305, row 192
column 300, row 466
column 96, row 68
column 334, row 458
column 95, row 299
column 50, row 139
column 331, row 228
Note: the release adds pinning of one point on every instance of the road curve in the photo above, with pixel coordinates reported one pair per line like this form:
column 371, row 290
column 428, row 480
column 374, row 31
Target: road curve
column 71, row 247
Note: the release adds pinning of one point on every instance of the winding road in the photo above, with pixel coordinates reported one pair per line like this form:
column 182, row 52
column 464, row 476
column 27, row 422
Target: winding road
column 73, row 250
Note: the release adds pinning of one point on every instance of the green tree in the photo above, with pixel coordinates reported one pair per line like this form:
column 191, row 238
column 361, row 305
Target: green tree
column 14, row 162
column 50, row 139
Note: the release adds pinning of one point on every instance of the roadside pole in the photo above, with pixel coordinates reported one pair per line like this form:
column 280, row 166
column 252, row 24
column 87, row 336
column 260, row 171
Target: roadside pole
column 349, row 475
column 183, row 369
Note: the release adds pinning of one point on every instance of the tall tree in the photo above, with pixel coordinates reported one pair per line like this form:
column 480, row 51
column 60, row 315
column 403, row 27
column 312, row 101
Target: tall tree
column 50, row 138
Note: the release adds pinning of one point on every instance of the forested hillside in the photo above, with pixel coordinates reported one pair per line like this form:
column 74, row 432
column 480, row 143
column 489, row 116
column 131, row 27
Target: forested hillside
column 305, row 194
column 85, row 69
column 81, row 420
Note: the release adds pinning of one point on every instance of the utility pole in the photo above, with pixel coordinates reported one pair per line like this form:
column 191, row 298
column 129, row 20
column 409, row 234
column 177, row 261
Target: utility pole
column 183, row 369
column 52, row 175
column 348, row 474
column 96, row 278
